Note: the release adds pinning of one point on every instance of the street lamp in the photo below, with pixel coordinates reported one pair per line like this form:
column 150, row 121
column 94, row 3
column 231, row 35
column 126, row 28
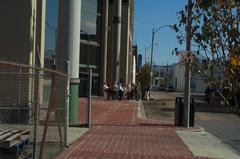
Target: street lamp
column 153, row 34
column 146, row 49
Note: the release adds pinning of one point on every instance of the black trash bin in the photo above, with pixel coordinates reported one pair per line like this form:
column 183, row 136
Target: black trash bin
column 179, row 111
column 192, row 114
column 179, row 106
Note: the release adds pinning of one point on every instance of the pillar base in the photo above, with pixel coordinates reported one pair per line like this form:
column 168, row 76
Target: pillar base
column 73, row 107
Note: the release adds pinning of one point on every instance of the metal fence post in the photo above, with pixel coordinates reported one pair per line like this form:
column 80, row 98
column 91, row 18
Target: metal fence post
column 89, row 99
column 35, row 110
column 19, row 92
column 67, row 107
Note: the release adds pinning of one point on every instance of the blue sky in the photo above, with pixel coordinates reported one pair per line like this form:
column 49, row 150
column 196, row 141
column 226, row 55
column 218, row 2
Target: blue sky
column 154, row 13
column 51, row 20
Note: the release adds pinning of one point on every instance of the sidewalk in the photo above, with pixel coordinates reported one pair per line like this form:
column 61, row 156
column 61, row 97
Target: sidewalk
column 118, row 133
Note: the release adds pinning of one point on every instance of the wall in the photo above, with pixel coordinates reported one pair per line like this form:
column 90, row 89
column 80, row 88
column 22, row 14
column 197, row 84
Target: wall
column 178, row 77
column 15, row 30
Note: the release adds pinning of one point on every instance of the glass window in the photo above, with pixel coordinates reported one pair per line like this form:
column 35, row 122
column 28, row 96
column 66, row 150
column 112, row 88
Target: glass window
column 89, row 58
column 91, row 20
column 90, row 5
column 89, row 26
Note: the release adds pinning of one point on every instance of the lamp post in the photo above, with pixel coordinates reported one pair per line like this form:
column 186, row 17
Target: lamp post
column 146, row 49
column 153, row 34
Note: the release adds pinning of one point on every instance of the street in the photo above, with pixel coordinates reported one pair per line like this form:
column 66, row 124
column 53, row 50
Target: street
column 214, row 118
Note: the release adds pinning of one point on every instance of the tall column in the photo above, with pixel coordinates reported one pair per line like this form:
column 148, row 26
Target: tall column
column 43, row 21
column 106, row 7
column 117, row 20
column 73, row 47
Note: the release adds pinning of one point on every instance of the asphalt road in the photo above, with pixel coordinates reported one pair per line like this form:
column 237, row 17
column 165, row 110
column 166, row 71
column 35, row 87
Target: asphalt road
column 214, row 118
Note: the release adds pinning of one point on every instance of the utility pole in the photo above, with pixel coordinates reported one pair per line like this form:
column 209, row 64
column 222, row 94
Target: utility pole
column 167, row 76
column 145, row 55
column 151, row 73
column 186, row 112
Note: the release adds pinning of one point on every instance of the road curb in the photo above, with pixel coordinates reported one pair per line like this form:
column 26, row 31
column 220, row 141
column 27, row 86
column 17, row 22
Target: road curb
column 191, row 129
column 141, row 110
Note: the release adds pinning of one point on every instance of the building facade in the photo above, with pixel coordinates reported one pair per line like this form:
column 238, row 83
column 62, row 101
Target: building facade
column 178, row 79
column 98, row 43
column 127, row 56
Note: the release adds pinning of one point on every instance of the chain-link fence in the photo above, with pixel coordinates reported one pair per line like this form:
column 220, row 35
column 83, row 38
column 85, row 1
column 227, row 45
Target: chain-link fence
column 33, row 105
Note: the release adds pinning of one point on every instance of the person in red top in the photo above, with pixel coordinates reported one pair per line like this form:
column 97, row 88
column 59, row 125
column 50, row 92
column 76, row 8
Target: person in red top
column 110, row 89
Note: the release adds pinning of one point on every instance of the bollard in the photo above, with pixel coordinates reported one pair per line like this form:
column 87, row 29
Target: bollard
column 90, row 100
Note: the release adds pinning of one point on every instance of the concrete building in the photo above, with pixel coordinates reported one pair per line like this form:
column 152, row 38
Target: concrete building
column 98, row 43
column 178, row 79
column 127, row 55
column 97, row 47
column 22, row 29
column 162, row 75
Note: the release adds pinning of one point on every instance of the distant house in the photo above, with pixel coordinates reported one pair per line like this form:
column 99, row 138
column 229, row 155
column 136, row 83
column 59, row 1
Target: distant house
column 178, row 71
column 198, row 83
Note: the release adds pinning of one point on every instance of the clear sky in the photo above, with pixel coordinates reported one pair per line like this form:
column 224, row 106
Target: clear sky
column 154, row 13
column 51, row 20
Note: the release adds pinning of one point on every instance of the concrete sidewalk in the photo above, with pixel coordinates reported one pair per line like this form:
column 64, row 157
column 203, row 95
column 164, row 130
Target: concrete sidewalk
column 118, row 133
column 200, row 142
column 205, row 144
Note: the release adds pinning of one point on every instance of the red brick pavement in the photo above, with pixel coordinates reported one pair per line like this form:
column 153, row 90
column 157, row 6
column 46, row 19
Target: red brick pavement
column 118, row 134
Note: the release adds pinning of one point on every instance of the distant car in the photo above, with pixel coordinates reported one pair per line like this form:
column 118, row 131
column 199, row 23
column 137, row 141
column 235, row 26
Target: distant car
column 170, row 89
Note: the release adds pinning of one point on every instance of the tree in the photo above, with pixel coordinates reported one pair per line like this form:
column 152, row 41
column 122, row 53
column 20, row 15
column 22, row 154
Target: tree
column 216, row 37
column 145, row 76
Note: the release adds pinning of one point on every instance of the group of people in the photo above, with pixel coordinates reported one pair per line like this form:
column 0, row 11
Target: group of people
column 117, row 91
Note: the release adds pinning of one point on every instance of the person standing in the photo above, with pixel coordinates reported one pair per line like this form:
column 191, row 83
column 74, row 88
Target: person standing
column 147, row 93
column 115, row 90
column 105, row 91
column 129, row 91
column 110, row 90
column 120, row 91
column 208, row 94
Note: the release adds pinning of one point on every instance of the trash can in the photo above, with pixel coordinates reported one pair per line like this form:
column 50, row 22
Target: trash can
column 192, row 114
column 179, row 111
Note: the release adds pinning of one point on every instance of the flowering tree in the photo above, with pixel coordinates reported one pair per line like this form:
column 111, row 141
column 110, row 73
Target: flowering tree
column 216, row 39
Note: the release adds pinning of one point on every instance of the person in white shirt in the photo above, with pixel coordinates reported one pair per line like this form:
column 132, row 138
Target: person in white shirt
column 105, row 91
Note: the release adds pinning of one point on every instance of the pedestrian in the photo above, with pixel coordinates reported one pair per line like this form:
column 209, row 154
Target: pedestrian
column 129, row 91
column 105, row 91
column 121, row 90
column 138, row 91
column 147, row 92
column 132, row 90
column 110, row 90
column 207, row 94
column 115, row 90
column 143, row 92
column 135, row 92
